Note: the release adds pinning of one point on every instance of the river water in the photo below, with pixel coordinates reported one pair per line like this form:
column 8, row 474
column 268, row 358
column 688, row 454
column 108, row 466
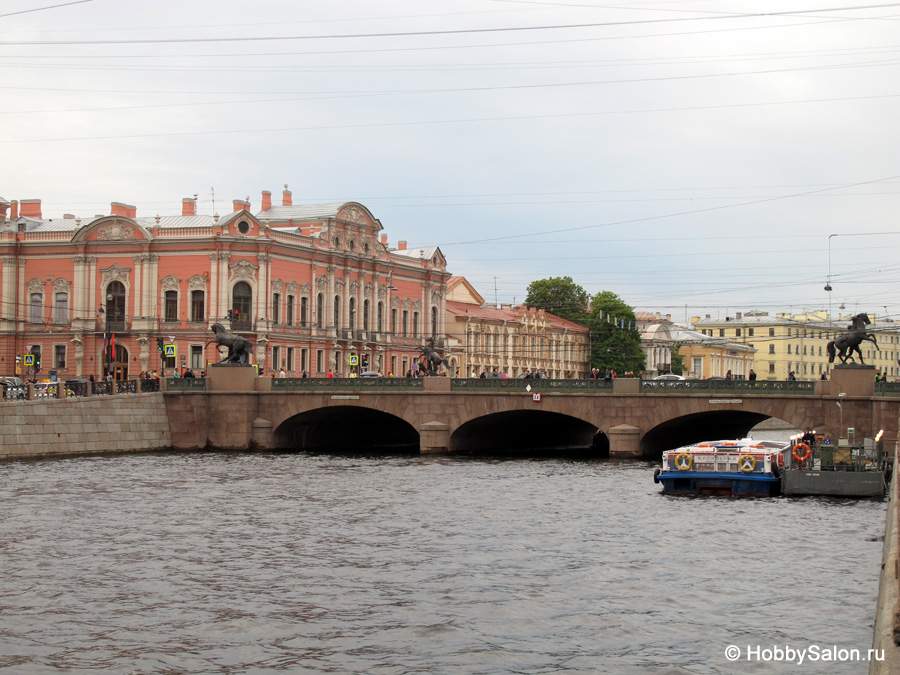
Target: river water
column 297, row 563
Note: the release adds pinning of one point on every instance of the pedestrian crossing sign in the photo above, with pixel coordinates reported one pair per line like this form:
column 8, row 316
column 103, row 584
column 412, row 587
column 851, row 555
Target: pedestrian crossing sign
column 29, row 359
column 170, row 351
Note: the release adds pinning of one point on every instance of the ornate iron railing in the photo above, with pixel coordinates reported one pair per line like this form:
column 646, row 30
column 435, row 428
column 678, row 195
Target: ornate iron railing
column 185, row 384
column 346, row 383
column 742, row 387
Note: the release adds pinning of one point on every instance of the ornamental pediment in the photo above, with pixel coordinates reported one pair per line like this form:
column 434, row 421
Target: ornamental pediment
column 112, row 229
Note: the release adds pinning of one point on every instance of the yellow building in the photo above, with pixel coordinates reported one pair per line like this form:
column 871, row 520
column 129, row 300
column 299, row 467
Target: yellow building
column 706, row 356
column 797, row 343
column 510, row 339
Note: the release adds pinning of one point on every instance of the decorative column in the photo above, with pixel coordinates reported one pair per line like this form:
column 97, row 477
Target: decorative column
column 212, row 300
column 224, row 300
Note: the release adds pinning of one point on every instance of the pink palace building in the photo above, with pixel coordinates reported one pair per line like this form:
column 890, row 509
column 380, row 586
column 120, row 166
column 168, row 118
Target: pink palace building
column 311, row 286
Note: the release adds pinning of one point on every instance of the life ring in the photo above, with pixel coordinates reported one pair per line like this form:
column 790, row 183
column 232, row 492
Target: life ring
column 746, row 463
column 805, row 456
column 684, row 461
column 781, row 459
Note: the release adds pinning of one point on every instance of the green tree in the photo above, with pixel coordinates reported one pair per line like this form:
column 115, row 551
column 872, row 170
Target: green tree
column 560, row 296
column 615, row 339
column 677, row 359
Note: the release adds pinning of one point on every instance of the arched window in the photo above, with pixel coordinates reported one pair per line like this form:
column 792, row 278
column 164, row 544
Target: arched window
column 62, row 308
column 242, row 301
column 365, row 323
column 320, row 311
column 171, row 306
column 434, row 323
column 37, row 308
column 337, row 311
column 115, row 306
column 352, row 313
column 379, row 326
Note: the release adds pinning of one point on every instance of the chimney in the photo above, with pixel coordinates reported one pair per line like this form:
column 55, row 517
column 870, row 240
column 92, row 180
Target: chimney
column 384, row 239
column 286, row 199
column 31, row 208
column 118, row 209
column 401, row 245
column 3, row 207
column 13, row 209
column 68, row 216
column 241, row 204
column 189, row 206
column 738, row 315
column 266, row 200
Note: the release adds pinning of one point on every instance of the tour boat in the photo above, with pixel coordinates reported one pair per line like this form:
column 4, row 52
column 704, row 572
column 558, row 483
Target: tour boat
column 740, row 468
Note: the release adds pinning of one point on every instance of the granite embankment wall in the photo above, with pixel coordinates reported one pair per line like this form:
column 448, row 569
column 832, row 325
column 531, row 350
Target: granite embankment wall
column 48, row 427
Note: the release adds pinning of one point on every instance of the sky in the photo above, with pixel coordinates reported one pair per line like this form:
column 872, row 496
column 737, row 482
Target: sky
column 692, row 156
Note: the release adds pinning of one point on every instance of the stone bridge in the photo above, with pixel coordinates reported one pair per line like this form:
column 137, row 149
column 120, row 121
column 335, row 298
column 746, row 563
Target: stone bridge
column 628, row 417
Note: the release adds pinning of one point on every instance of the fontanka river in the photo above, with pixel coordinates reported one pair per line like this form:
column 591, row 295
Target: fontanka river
column 299, row 563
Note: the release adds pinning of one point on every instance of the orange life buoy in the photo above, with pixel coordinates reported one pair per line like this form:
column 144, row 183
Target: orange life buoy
column 804, row 457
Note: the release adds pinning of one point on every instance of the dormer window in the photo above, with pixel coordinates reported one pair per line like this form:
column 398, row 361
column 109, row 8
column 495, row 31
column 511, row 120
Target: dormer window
column 243, row 227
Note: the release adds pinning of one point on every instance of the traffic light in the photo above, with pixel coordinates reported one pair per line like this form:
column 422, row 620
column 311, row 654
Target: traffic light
column 234, row 314
column 160, row 343
column 37, row 359
column 231, row 315
column 365, row 361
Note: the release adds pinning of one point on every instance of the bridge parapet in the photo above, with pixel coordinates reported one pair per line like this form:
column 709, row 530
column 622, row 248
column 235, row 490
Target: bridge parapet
column 742, row 387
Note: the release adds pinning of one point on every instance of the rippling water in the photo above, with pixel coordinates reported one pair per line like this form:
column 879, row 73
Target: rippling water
column 241, row 563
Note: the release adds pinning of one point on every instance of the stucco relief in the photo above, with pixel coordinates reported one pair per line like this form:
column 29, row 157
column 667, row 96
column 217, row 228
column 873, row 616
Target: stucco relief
column 417, row 306
column 354, row 287
column 115, row 273
column 406, row 304
column 395, row 303
column 292, row 287
column 368, row 289
column 35, row 286
column 197, row 283
column 170, row 283
column 60, row 286
column 382, row 291
column 243, row 269
column 304, row 289
column 321, row 283
column 277, row 286
column 353, row 214
column 339, row 284
column 115, row 232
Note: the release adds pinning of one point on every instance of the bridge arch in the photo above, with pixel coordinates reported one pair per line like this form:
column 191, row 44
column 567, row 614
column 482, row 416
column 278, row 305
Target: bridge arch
column 528, row 431
column 346, row 429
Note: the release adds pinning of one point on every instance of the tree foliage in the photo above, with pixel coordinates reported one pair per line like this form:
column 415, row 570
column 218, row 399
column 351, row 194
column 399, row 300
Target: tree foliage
column 560, row 296
column 615, row 338
column 677, row 359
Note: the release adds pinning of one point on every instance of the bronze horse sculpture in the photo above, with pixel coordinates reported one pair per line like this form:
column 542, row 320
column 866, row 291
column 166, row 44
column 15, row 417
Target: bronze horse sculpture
column 238, row 347
column 430, row 359
column 848, row 343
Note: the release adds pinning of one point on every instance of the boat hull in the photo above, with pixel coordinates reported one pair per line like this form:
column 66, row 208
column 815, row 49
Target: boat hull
column 799, row 482
column 715, row 483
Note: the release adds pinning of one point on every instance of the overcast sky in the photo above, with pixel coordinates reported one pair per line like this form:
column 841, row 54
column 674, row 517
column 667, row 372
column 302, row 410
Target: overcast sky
column 692, row 156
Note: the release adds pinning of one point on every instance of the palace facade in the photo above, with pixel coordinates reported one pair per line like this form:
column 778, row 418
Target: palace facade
column 310, row 285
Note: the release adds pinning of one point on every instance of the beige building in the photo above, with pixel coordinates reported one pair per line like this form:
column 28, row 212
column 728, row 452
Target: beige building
column 797, row 343
column 510, row 339
column 656, row 341
column 705, row 356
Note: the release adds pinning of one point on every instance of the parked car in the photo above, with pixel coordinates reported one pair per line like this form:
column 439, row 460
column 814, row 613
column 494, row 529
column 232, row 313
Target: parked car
column 45, row 390
column 13, row 387
column 669, row 376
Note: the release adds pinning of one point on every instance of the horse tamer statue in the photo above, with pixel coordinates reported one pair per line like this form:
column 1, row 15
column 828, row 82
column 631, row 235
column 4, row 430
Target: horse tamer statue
column 849, row 342
column 430, row 359
column 238, row 347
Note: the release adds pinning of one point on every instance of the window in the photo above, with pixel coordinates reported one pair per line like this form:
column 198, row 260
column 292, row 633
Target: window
column 37, row 308
column 243, row 227
column 320, row 311
column 365, row 323
column 62, row 308
column 749, row 332
column 434, row 322
column 415, row 325
column 276, row 307
column 789, row 349
column 242, row 300
column 198, row 307
column 320, row 360
column 289, row 311
column 115, row 306
column 197, row 358
column 737, row 332
column 721, row 332
column 771, row 368
column 352, row 313
column 171, row 306
column 771, row 348
column 394, row 322
column 404, row 322
column 304, row 360
column 59, row 356
column 290, row 359
column 337, row 311
column 304, row 311
column 379, row 325
column 276, row 358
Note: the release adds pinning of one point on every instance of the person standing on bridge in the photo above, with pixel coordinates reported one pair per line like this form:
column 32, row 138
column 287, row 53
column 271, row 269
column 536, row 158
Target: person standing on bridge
column 751, row 375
